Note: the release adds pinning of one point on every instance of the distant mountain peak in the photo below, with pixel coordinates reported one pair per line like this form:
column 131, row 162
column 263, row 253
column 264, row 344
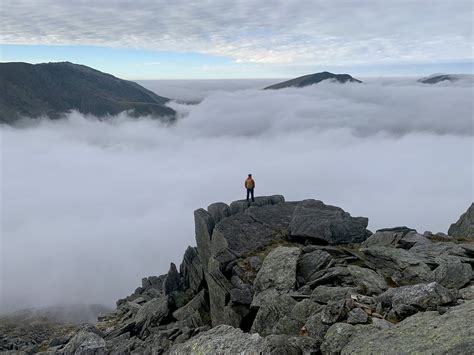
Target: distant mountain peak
column 436, row 78
column 312, row 79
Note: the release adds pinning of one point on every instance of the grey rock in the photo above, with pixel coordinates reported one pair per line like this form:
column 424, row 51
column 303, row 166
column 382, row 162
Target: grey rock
column 178, row 299
column 433, row 252
column 172, row 282
column 326, row 294
column 191, row 270
column 293, row 322
column 276, row 217
column 334, row 275
column 310, row 263
column 411, row 239
column 241, row 205
column 270, row 313
column 289, row 345
column 464, row 227
column 203, row 224
column 240, row 235
column 424, row 332
column 336, row 338
column 195, row 314
column 335, row 311
column 305, row 308
column 151, row 312
column 222, row 339
column 407, row 300
column 219, row 290
column 315, row 327
column 87, row 341
column 402, row 267
column 467, row 293
column 388, row 237
column 452, row 273
column 241, row 296
column 368, row 281
column 314, row 220
column 357, row 316
column 218, row 211
column 278, row 272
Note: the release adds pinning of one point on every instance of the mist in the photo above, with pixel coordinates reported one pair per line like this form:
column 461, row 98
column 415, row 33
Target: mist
column 90, row 207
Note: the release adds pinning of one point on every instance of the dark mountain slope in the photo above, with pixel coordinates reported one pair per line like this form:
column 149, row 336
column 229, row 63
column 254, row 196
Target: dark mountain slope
column 311, row 79
column 52, row 89
column 436, row 78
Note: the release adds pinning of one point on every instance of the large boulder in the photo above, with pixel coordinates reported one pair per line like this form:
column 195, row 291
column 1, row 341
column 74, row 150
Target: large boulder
column 326, row 294
column 222, row 339
column 218, row 211
column 203, row 225
column 368, row 281
column 310, row 264
column 322, row 223
column 398, row 237
column 240, row 235
column 241, row 205
column 336, row 338
column 400, row 266
column 172, row 281
column 424, row 332
column 407, row 300
column 452, row 272
column 151, row 313
column 277, row 273
column 219, row 296
column 195, row 313
column 191, row 270
column 87, row 341
column 271, row 312
column 464, row 227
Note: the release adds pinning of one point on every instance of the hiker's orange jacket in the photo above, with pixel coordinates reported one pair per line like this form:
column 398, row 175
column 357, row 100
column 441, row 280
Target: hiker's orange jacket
column 249, row 183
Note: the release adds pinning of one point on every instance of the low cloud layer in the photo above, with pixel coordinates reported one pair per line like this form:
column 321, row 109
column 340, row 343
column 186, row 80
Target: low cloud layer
column 90, row 207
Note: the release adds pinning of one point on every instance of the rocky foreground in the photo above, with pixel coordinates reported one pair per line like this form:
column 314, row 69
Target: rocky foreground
column 296, row 277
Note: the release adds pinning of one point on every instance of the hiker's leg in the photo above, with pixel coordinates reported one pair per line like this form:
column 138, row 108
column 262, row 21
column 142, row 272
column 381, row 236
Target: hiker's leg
column 251, row 191
column 248, row 194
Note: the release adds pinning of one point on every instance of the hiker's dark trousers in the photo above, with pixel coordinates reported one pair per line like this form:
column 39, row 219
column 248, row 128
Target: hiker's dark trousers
column 250, row 193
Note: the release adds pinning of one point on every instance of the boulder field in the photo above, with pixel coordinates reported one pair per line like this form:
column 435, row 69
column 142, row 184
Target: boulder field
column 277, row 277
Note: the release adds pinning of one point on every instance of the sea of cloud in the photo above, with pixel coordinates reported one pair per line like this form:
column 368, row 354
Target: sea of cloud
column 89, row 207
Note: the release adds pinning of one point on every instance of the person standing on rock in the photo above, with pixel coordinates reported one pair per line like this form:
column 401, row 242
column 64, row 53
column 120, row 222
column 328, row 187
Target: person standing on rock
column 250, row 186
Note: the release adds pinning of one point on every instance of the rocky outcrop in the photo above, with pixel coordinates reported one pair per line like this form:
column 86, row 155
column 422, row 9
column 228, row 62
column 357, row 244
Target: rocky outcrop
column 424, row 332
column 293, row 277
column 315, row 220
column 464, row 227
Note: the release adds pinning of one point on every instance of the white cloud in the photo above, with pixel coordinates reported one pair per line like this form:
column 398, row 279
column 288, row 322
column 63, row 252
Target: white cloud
column 90, row 207
column 297, row 32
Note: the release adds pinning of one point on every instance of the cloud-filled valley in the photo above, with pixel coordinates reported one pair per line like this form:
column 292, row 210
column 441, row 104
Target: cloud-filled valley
column 103, row 203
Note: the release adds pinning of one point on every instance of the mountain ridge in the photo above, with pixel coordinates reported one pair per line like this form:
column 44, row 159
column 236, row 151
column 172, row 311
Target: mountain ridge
column 54, row 89
column 311, row 79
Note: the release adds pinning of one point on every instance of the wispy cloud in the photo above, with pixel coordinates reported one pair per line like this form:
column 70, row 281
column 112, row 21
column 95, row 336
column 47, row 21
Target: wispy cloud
column 250, row 31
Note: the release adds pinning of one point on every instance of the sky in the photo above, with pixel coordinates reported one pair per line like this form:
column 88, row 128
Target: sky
column 215, row 39
column 92, row 206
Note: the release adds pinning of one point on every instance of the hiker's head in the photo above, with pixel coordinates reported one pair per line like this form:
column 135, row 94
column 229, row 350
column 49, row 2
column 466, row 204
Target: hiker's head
column 250, row 175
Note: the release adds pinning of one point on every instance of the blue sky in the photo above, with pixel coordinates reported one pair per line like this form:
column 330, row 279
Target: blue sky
column 246, row 39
